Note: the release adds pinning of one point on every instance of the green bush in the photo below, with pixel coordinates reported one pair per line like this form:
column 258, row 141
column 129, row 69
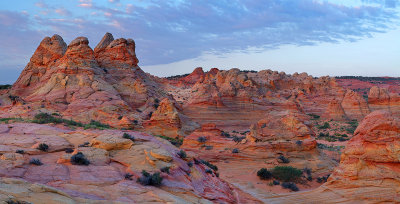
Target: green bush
column 212, row 166
column 36, row 162
column 174, row 141
column 6, row 86
column 324, row 126
column 165, row 169
column 264, row 174
column 96, row 125
column 202, row 139
column 43, row 147
column 182, row 154
column 286, row 173
column 128, row 136
column 79, row 159
column 148, row 179
column 290, row 185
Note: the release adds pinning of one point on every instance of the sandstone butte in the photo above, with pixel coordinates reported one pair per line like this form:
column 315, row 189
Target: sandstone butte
column 240, row 121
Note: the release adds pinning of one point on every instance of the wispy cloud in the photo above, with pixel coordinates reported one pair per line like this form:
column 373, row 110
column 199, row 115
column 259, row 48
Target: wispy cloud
column 168, row 31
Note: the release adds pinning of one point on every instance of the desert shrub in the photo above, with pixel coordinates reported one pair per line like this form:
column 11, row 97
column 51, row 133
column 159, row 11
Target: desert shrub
column 43, row 147
column 79, row 159
column 5, row 86
column 120, row 117
column 209, row 147
column 20, row 151
column 235, row 150
column 85, row 144
column 237, row 139
column 156, row 105
column 307, row 171
column 36, row 162
column 128, row 176
column 69, row 150
column 202, row 139
column 225, row 134
column 264, row 174
column 128, row 136
column 314, row 116
column 15, row 201
column 150, row 114
column 212, row 166
column 182, row 154
column 208, row 171
column 148, row 179
column 324, row 126
column 299, row 142
column 165, row 169
column 44, row 118
column 96, row 125
column 276, row 182
column 290, row 185
column 309, row 178
column 190, row 164
column 286, row 173
column 323, row 179
column 174, row 141
column 135, row 122
column 283, row 159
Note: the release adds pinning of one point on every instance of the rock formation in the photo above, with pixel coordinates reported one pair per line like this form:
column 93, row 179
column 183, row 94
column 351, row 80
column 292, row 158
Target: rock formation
column 104, row 180
column 369, row 168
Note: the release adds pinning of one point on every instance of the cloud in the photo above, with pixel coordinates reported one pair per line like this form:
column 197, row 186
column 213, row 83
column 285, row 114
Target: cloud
column 169, row 31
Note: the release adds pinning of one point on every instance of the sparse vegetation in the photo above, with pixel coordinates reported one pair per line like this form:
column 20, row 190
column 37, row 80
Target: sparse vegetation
column 5, row 86
column 15, row 201
column 182, row 154
column 235, row 151
column 174, row 141
column 96, row 125
column 208, row 171
column 299, row 142
column 238, row 139
column 20, row 151
column 225, row 134
column 209, row 147
column 85, row 144
column 190, row 164
column 79, row 159
column 264, row 174
column 43, row 147
column 323, row 179
column 128, row 136
column 324, row 126
column 286, row 173
column 36, row 162
column 276, row 182
column 314, row 116
column 165, row 169
column 148, row 179
column 69, row 150
column 353, row 126
column 290, row 185
column 128, row 176
column 283, row 159
column 212, row 166
column 202, row 139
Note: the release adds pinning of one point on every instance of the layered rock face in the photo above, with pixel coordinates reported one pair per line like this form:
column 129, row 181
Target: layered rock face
column 81, row 84
column 104, row 180
column 369, row 170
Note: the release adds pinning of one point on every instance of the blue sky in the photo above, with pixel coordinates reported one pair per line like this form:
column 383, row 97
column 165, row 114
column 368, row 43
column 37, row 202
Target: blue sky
column 321, row 37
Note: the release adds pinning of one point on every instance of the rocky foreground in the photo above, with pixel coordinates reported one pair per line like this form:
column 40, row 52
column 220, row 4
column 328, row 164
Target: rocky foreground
column 83, row 125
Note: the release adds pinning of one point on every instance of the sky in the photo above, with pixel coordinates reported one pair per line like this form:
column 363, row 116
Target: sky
column 320, row 37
